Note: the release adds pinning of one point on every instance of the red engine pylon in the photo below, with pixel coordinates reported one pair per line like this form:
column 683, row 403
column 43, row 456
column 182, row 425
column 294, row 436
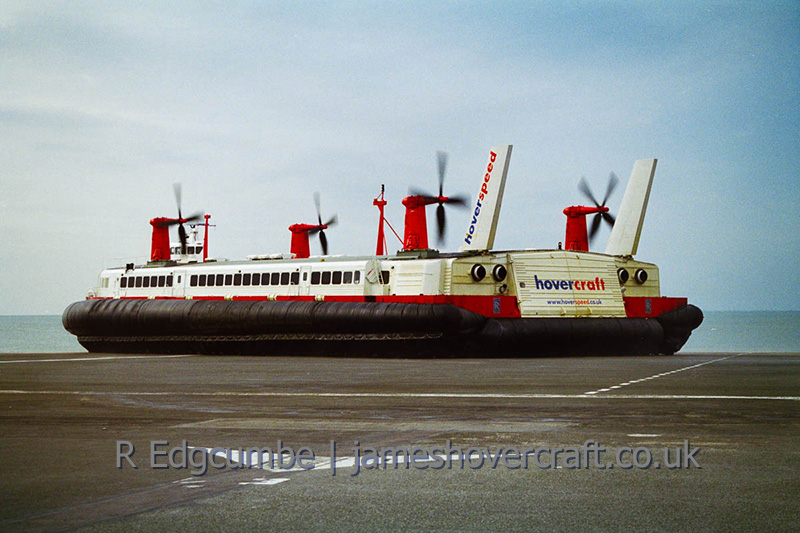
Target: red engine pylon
column 300, row 232
column 159, row 246
column 415, row 236
column 577, row 238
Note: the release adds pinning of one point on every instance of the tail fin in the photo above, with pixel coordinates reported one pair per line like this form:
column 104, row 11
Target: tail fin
column 624, row 238
column 483, row 220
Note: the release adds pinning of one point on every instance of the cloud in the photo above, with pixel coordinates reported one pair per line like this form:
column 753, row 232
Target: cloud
column 253, row 108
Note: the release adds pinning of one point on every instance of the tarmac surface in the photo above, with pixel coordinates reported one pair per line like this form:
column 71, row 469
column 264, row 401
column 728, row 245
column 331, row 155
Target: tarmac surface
column 734, row 417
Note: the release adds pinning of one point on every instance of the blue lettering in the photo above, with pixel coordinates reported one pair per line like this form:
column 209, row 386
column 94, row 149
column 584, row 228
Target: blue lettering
column 596, row 284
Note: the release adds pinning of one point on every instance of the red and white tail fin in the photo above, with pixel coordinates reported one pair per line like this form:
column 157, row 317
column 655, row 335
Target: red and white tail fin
column 624, row 238
column 483, row 219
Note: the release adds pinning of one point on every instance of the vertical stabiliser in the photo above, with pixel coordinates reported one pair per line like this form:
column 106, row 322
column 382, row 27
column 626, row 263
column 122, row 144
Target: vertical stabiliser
column 483, row 220
column 624, row 238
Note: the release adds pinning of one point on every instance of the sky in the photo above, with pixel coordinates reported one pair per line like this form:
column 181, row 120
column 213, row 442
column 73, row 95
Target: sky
column 254, row 106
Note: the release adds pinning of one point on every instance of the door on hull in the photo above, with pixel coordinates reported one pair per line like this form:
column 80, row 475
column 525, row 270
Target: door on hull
column 305, row 280
column 179, row 283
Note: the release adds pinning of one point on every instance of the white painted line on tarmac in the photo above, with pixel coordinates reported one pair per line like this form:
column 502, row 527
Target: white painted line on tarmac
column 265, row 481
column 662, row 374
column 191, row 483
column 434, row 395
column 95, row 358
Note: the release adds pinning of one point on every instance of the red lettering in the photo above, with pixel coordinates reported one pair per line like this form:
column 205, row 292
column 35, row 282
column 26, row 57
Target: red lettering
column 492, row 156
column 489, row 168
column 484, row 188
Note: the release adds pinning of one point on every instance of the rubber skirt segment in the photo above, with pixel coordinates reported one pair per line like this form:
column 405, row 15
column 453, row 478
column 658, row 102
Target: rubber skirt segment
column 375, row 329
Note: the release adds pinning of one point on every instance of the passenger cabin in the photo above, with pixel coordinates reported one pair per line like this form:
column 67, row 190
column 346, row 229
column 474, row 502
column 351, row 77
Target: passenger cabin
column 523, row 283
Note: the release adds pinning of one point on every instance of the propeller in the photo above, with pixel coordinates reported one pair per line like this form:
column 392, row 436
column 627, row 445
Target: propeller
column 180, row 220
column 323, row 240
column 604, row 214
column 458, row 200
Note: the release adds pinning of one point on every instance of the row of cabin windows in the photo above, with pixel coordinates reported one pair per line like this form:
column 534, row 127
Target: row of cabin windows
column 274, row 278
column 335, row 277
column 137, row 282
column 176, row 250
column 248, row 279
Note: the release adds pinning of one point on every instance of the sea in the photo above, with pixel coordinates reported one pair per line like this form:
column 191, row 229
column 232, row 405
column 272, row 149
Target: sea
column 720, row 332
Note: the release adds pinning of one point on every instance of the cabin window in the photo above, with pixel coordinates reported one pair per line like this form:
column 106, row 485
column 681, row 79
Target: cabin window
column 284, row 278
column 179, row 279
column 357, row 277
column 336, row 279
column 211, row 279
column 348, row 278
column 305, row 276
column 228, row 279
column 326, row 278
column 237, row 279
column 169, row 281
column 276, row 278
column 257, row 279
column 220, row 280
column 315, row 278
column 265, row 278
column 138, row 282
column 385, row 275
column 295, row 278
column 146, row 282
column 246, row 279
column 202, row 280
column 123, row 283
column 153, row 281
column 161, row 280
column 193, row 280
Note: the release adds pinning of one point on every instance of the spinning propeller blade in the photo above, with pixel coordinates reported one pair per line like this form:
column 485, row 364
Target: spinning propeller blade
column 583, row 186
column 323, row 239
column 457, row 201
column 180, row 220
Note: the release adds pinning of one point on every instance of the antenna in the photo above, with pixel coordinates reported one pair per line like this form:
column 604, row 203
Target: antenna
column 381, row 247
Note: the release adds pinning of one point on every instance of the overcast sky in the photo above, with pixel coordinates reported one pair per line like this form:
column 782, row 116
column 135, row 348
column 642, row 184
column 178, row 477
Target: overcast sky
column 254, row 106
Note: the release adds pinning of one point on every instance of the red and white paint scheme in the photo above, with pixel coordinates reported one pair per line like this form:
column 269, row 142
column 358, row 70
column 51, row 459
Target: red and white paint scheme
column 526, row 283
column 418, row 302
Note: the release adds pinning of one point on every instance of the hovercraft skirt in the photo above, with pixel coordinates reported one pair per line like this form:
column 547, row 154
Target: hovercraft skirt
column 376, row 329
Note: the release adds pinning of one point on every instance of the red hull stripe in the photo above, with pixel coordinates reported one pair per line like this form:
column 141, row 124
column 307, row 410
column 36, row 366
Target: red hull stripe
column 492, row 306
column 643, row 307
